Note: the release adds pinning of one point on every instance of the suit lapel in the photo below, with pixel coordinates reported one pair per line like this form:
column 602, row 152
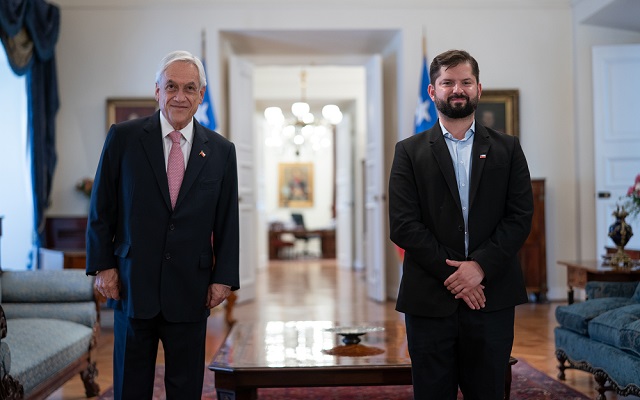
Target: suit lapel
column 200, row 153
column 479, row 156
column 152, row 144
column 440, row 151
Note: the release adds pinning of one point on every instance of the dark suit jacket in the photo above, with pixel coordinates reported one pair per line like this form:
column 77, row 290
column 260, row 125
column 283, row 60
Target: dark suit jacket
column 426, row 219
column 164, row 256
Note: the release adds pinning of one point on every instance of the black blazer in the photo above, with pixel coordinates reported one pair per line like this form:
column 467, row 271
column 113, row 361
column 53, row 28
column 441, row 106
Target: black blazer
column 164, row 256
column 426, row 219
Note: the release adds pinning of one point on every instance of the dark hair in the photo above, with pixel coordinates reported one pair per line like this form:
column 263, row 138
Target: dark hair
column 452, row 58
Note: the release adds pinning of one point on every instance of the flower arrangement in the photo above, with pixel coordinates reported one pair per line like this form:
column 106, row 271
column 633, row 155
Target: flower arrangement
column 633, row 198
column 85, row 185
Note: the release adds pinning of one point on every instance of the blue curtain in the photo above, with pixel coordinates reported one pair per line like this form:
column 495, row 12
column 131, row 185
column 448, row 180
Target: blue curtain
column 29, row 32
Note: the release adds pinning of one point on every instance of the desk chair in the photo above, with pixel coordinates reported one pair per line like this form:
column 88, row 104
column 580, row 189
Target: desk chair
column 301, row 232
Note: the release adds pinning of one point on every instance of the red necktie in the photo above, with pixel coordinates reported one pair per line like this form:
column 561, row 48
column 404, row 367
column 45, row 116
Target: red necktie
column 175, row 167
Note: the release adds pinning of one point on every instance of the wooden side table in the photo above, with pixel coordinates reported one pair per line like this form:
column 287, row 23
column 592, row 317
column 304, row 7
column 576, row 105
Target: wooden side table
column 581, row 272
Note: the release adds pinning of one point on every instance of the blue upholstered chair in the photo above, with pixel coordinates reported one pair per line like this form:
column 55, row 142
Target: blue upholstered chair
column 602, row 336
column 49, row 324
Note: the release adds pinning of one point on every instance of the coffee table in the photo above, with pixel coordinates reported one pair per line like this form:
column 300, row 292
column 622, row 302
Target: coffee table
column 298, row 354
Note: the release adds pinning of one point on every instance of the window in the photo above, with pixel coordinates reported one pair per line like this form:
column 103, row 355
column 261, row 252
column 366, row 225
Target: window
column 16, row 200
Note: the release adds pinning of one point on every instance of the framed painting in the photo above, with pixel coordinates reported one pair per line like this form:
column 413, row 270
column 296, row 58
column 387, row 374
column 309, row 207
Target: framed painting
column 499, row 109
column 295, row 185
column 123, row 109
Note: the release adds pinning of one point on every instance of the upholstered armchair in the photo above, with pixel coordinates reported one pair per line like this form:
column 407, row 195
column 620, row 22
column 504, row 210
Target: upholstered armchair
column 49, row 325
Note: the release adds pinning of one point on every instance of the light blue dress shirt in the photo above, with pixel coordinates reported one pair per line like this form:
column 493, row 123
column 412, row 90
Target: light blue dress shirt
column 460, row 151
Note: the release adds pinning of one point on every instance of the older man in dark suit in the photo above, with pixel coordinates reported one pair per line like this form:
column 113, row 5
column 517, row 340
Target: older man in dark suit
column 164, row 202
column 460, row 205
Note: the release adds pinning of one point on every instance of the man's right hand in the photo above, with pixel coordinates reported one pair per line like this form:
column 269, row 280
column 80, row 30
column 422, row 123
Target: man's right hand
column 108, row 283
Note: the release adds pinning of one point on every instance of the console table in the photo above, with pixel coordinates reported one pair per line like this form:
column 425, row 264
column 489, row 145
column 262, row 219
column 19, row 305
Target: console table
column 581, row 272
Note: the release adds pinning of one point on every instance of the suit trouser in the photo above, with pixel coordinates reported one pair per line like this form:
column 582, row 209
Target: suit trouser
column 469, row 349
column 135, row 351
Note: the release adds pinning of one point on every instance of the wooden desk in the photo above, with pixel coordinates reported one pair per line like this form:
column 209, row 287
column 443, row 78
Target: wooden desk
column 327, row 240
column 296, row 354
column 581, row 272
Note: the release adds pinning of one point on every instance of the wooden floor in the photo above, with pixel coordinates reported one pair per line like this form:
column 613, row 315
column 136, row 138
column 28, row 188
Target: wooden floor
column 317, row 290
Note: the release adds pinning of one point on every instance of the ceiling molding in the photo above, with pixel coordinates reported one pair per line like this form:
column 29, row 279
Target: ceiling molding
column 313, row 4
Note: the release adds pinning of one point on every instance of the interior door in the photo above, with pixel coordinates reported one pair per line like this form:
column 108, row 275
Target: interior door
column 344, row 193
column 374, row 184
column 241, row 133
column 616, row 84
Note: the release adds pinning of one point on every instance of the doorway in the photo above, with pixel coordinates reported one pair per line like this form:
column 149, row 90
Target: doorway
column 375, row 51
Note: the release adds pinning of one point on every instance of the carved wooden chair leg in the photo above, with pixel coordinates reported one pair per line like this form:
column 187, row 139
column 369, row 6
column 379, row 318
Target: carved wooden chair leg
column 10, row 388
column 601, row 379
column 91, row 388
column 562, row 359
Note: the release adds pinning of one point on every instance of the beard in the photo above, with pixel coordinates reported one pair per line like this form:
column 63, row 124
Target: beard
column 457, row 111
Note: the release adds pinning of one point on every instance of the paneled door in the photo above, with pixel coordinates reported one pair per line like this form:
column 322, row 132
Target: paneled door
column 374, row 185
column 616, row 84
column 241, row 134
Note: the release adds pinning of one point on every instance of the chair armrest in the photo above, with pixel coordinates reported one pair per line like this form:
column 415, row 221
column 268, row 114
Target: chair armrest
column 596, row 290
column 46, row 286
column 3, row 324
column 81, row 312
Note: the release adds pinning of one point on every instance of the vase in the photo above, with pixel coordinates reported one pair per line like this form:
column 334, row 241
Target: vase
column 620, row 232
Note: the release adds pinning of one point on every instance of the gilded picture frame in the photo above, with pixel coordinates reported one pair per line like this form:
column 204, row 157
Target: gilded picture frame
column 123, row 109
column 295, row 185
column 499, row 109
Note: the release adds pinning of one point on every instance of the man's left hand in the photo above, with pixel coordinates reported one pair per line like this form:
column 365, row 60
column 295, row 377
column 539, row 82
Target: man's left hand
column 217, row 294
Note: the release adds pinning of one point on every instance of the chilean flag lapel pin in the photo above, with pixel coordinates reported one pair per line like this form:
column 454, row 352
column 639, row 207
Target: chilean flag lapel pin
column 201, row 154
column 483, row 155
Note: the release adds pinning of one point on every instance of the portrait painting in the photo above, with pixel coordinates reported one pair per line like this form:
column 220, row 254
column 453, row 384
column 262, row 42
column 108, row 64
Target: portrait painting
column 123, row 109
column 295, row 185
column 498, row 109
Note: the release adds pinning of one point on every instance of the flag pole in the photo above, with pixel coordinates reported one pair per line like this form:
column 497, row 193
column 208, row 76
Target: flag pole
column 424, row 43
column 203, row 42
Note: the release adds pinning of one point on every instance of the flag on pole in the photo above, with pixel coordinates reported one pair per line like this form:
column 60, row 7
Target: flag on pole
column 426, row 115
column 205, row 114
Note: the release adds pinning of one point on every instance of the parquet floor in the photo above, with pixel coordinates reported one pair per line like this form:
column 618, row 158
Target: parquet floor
column 318, row 290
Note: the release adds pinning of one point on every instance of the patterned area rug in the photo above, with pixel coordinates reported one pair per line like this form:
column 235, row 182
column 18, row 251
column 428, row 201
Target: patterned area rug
column 528, row 384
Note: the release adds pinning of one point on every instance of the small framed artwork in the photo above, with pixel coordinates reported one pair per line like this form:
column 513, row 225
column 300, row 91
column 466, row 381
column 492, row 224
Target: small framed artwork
column 295, row 185
column 499, row 109
column 123, row 109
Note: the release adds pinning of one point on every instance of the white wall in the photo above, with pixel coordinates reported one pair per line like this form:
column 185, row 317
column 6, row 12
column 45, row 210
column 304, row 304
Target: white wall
column 112, row 51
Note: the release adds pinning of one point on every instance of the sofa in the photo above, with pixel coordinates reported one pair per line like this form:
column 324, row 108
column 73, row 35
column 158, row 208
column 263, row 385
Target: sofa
column 49, row 326
column 602, row 336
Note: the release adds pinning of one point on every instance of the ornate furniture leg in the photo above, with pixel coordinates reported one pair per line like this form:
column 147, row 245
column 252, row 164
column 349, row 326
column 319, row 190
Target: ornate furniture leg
column 562, row 358
column 88, row 376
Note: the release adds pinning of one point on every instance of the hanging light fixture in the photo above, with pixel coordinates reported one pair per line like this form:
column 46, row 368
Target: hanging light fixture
column 305, row 130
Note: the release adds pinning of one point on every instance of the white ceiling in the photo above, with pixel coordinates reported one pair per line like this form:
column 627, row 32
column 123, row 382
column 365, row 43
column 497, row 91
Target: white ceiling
column 617, row 14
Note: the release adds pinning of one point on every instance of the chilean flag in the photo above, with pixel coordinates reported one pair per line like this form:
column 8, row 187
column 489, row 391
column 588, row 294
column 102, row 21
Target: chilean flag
column 426, row 115
column 205, row 114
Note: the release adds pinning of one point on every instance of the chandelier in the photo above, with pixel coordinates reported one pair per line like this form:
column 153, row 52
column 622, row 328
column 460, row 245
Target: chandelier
column 304, row 131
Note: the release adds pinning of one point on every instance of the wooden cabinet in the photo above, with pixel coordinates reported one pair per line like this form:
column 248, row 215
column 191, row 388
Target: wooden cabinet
column 533, row 254
column 66, row 235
